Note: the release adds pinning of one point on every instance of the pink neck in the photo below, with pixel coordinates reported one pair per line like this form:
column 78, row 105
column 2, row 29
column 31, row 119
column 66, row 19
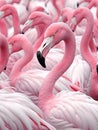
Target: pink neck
column 16, row 71
column 4, row 52
column 85, row 41
column 10, row 10
column 3, row 27
column 47, row 86
column 38, row 43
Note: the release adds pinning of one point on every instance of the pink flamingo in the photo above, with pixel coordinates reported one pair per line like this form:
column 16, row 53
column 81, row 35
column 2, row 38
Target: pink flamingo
column 65, row 109
column 66, row 14
column 10, row 10
column 23, row 116
column 87, row 55
column 25, row 81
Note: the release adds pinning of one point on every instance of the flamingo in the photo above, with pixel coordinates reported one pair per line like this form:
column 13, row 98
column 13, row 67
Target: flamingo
column 86, row 53
column 65, row 109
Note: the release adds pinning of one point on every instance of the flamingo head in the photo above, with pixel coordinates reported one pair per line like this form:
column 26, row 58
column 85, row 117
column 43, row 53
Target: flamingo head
column 6, row 10
column 54, row 34
column 15, row 43
column 27, row 25
column 78, row 15
column 36, row 18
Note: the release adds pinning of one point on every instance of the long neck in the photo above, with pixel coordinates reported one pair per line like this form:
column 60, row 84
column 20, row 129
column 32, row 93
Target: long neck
column 28, row 55
column 85, row 42
column 47, row 86
column 3, row 27
column 10, row 10
column 16, row 22
column 38, row 43
column 4, row 52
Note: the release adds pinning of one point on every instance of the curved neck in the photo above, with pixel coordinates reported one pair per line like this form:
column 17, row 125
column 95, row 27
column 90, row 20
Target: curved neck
column 10, row 10
column 86, row 53
column 4, row 52
column 28, row 55
column 48, row 84
column 16, row 21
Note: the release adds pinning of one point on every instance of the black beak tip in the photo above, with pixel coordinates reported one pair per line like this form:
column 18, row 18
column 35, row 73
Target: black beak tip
column 5, row 68
column 41, row 59
column 97, row 68
column 77, row 5
column 72, row 30
column 22, row 32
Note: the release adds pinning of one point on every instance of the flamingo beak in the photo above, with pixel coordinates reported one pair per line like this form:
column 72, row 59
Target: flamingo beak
column 41, row 59
column 97, row 68
column 1, row 14
column 27, row 25
column 43, row 50
column 73, row 24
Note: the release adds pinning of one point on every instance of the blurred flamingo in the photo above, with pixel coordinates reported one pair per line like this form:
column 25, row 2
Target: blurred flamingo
column 65, row 109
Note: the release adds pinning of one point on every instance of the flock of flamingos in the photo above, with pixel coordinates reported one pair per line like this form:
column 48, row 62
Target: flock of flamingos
column 48, row 65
